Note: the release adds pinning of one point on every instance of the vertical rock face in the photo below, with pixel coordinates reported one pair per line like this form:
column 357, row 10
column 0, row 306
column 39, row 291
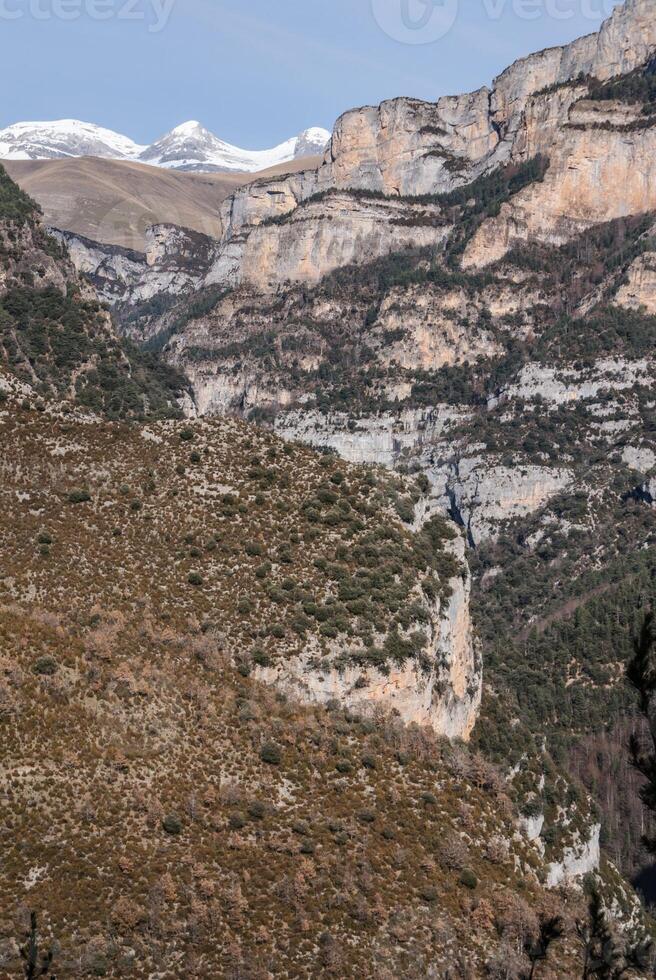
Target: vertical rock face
column 176, row 261
column 639, row 292
column 624, row 42
column 406, row 147
column 595, row 175
column 580, row 859
column 329, row 234
column 379, row 439
column 300, row 227
column 442, row 691
column 484, row 496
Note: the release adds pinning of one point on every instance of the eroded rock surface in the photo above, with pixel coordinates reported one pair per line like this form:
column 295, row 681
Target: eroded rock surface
column 443, row 690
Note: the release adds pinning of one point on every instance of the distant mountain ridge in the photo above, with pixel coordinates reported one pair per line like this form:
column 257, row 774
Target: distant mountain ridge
column 189, row 147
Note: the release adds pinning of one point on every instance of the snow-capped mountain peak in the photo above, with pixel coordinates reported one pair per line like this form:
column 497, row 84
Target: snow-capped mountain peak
column 64, row 138
column 192, row 147
column 188, row 147
column 188, row 128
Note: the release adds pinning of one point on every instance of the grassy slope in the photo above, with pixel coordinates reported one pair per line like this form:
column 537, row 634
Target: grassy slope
column 114, row 201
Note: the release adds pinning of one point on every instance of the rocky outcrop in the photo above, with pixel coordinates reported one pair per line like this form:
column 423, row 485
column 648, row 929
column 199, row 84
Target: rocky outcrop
column 639, row 290
column 176, row 262
column 639, row 458
column 532, row 826
column 647, row 492
column 327, row 233
column 595, row 175
column 406, row 147
column 28, row 259
column 624, row 42
column 578, row 860
column 442, row 689
column 217, row 393
column 537, row 382
column 382, row 439
column 483, row 495
column 116, row 273
column 423, row 329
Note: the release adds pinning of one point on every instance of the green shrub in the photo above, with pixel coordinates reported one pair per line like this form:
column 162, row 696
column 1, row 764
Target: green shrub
column 79, row 497
column 261, row 658
column 254, row 549
column 271, row 754
column 45, row 666
column 172, row 825
column 469, row 879
column 194, row 578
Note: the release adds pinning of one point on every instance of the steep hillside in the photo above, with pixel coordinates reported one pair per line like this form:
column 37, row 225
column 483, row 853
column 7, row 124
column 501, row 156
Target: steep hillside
column 522, row 392
column 55, row 336
column 166, row 811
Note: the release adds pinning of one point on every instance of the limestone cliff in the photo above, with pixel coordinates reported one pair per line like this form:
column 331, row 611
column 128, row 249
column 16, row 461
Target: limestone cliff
column 381, row 186
column 405, row 148
column 176, row 262
column 597, row 173
column 639, row 290
column 441, row 689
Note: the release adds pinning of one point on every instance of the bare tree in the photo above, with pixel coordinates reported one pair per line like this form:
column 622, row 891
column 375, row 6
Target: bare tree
column 35, row 966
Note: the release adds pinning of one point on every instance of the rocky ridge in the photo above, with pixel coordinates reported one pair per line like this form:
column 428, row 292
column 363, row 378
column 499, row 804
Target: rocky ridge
column 289, row 231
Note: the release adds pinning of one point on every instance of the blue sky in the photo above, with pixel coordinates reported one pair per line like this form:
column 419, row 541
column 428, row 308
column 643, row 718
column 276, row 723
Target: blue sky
column 256, row 71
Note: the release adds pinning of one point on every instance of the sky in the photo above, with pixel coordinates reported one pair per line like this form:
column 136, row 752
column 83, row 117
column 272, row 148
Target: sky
column 258, row 71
